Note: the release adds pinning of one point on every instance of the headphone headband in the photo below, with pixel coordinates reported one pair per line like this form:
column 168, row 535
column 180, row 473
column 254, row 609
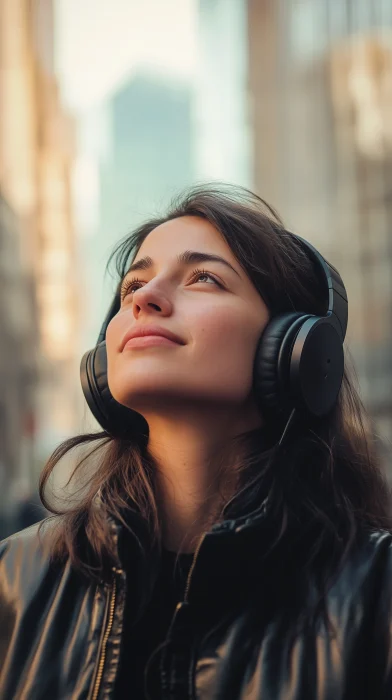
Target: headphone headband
column 337, row 295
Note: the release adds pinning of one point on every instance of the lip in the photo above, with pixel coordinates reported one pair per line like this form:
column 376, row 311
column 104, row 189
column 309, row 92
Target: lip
column 150, row 331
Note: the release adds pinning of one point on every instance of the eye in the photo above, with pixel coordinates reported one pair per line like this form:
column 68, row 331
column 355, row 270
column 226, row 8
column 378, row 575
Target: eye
column 135, row 283
column 196, row 274
column 128, row 285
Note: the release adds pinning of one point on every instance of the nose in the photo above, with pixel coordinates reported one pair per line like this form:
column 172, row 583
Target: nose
column 151, row 300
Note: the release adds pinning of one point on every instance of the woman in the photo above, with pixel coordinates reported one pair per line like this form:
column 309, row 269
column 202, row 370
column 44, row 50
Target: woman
column 230, row 533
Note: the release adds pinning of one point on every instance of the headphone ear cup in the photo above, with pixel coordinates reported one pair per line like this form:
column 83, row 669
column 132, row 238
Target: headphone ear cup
column 272, row 364
column 317, row 366
column 113, row 417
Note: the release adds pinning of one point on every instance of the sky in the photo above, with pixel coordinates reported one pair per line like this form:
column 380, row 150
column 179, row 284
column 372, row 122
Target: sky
column 100, row 42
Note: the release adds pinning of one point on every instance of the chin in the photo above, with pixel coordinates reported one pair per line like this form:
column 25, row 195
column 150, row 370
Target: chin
column 144, row 390
column 144, row 394
column 164, row 398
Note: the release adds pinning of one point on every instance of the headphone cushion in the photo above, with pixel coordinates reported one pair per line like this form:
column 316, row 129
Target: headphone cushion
column 100, row 372
column 270, row 367
column 116, row 419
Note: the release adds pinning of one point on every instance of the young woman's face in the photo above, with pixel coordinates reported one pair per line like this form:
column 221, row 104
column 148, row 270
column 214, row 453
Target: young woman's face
column 210, row 306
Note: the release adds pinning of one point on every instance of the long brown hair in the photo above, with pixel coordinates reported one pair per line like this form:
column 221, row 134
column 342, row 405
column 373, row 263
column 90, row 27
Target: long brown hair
column 327, row 475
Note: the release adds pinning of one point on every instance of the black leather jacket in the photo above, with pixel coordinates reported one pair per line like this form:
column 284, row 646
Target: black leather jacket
column 61, row 635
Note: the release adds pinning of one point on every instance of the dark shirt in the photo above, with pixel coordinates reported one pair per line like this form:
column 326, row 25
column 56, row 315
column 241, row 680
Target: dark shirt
column 141, row 640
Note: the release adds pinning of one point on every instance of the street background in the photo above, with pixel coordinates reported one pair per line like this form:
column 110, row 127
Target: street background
column 109, row 107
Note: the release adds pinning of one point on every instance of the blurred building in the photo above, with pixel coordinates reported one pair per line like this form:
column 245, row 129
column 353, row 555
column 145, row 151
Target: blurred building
column 320, row 79
column 18, row 365
column 151, row 152
column 36, row 155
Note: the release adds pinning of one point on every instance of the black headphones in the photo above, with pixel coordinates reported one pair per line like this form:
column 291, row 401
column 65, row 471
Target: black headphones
column 299, row 362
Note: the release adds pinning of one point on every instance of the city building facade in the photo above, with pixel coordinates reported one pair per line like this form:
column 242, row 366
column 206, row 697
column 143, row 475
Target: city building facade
column 36, row 157
column 19, row 349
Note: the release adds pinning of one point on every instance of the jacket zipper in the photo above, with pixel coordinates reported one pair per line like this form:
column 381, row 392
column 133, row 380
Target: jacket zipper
column 101, row 664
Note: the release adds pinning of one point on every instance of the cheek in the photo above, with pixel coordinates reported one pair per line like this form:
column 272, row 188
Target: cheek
column 227, row 341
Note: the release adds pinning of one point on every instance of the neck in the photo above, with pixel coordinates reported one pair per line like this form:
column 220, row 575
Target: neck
column 195, row 461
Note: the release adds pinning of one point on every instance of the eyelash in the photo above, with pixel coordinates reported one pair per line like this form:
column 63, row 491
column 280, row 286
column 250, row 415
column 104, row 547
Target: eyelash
column 195, row 273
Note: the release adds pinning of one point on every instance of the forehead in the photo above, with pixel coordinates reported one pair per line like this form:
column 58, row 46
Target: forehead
column 186, row 232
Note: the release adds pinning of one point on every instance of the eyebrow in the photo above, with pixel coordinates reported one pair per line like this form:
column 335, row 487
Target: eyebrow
column 188, row 257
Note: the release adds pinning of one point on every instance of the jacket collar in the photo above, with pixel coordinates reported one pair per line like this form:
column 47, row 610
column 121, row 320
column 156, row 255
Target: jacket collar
column 230, row 527
column 225, row 562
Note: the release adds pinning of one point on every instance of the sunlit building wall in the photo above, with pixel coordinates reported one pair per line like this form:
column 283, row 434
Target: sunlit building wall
column 18, row 365
column 36, row 152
